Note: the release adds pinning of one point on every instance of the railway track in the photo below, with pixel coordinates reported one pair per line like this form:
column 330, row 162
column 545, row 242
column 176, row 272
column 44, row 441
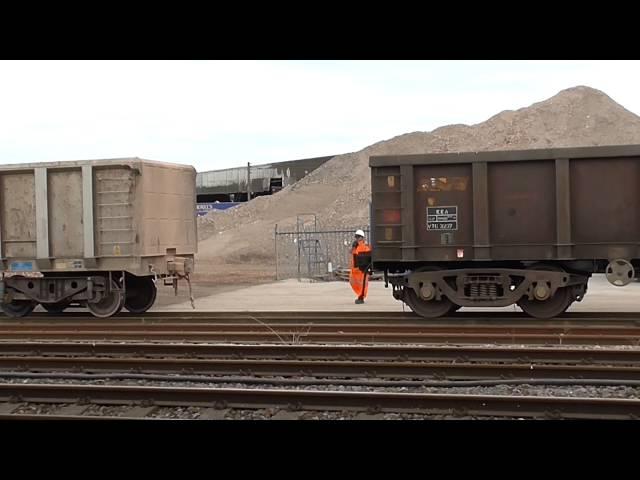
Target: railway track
column 296, row 317
column 310, row 361
column 317, row 328
column 424, row 353
column 39, row 359
column 320, row 368
column 145, row 399
column 326, row 333
column 330, row 366
column 330, row 327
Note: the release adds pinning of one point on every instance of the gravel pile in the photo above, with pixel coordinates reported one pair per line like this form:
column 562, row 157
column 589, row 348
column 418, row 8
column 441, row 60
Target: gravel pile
column 339, row 191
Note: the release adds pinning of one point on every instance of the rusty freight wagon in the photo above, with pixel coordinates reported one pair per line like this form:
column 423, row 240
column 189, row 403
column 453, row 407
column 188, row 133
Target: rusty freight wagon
column 95, row 233
column 498, row 228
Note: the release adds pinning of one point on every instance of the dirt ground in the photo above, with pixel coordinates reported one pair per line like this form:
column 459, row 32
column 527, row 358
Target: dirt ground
column 213, row 279
column 292, row 295
column 218, row 273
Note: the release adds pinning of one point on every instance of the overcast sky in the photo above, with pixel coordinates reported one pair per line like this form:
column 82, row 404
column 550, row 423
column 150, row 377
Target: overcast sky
column 219, row 114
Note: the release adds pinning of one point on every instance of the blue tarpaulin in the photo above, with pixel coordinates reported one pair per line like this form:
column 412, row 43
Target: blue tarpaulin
column 204, row 208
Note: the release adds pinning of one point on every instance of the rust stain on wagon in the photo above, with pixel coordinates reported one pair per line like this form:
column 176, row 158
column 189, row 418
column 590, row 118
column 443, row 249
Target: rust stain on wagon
column 443, row 184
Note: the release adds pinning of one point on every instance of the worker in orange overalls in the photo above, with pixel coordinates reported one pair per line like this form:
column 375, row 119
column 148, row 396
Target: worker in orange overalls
column 358, row 277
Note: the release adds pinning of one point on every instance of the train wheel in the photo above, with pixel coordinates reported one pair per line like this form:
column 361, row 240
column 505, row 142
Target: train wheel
column 141, row 294
column 109, row 305
column 55, row 308
column 18, row 308
column 427, row 308
column 551, row 307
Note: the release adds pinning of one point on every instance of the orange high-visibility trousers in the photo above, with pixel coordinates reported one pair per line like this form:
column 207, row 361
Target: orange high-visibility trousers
column 359, row 283
column 357, row 278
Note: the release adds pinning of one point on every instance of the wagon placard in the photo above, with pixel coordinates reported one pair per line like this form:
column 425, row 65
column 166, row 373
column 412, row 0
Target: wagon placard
column 442, row 218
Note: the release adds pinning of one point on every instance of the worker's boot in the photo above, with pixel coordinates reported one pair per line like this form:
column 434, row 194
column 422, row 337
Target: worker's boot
column 359, row 300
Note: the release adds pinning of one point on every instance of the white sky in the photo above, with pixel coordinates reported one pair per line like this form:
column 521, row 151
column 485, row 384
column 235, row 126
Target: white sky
column 219, row 114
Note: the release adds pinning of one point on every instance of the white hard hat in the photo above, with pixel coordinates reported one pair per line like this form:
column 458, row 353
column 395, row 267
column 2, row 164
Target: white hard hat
column 360, row 233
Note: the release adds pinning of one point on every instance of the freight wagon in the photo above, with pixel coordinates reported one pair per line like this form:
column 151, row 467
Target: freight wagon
column 492, row 229
column 94, row 233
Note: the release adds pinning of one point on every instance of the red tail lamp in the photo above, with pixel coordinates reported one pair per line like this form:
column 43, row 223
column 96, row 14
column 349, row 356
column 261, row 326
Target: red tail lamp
column 391, row 216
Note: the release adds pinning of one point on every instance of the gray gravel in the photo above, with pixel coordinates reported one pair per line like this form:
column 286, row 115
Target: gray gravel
column 107, row 410
column 39, row 408
column 381, row 345
column 187, row 413
column 511, row 390
column 180, row 413
column 195, row 413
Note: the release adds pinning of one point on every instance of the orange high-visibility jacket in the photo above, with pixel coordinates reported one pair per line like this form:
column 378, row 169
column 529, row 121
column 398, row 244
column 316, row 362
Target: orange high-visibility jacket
column 357, row 279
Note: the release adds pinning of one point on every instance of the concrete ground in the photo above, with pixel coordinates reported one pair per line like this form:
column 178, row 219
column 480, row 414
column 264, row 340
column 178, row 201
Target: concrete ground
column 338, row 296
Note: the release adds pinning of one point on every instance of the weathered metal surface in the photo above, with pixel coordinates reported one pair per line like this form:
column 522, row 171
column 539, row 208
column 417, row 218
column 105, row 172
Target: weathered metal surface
column 427, row 353
column 292, row 333
column 18, row 215
column 66, row 226
column 506, row 155
column 502, row 319
column 321, row 368
column 122, row 214
column 604, row 205
column 565, row 204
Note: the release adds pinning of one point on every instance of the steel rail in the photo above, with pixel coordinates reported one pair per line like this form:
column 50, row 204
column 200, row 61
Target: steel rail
column 378, row 402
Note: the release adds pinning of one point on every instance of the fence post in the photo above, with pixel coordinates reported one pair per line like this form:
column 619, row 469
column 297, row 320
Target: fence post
column 371, row 226
column 298, row 244
column 248, row 181
column 275, row 237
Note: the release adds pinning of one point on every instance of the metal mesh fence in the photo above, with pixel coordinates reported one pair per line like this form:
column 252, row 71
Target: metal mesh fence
column 309, row 253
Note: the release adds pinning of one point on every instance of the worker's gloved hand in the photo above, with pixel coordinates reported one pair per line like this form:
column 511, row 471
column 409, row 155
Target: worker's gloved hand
column 354, row 244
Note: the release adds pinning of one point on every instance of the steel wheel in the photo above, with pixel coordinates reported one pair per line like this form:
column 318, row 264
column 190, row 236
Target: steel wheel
column 551, row 307
column 109, row 305
column 427, row 308
column 18, row 308
column 141, row 294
